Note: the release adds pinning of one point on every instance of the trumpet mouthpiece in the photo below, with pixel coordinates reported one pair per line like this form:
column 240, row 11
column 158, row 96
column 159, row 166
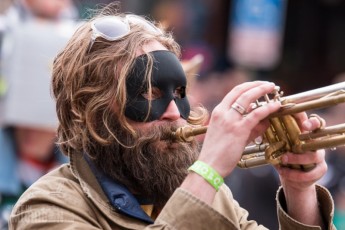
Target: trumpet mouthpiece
column 187, row 133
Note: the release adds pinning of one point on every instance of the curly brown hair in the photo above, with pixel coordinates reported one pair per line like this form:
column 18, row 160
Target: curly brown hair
column 90, row 85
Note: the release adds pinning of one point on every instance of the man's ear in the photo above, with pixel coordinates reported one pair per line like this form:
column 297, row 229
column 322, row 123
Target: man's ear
column 192, row 68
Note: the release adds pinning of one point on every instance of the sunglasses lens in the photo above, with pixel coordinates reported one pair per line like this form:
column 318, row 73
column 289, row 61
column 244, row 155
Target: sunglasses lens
column 111, row 28
column 137, row 20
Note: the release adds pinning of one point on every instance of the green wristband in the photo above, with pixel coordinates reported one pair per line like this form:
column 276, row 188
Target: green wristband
column 208, row 173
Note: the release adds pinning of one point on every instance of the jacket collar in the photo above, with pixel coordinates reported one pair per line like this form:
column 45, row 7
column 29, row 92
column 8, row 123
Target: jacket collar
column 115, row 201
column 118, row 195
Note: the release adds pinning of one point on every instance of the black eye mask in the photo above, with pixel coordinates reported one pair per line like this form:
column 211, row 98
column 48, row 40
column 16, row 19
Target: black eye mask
column 167, row 77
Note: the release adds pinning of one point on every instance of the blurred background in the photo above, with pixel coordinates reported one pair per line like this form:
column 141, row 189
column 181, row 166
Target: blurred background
column 298, row 44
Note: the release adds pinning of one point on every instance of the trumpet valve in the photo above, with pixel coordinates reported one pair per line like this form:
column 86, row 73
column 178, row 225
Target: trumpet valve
column 274, row 151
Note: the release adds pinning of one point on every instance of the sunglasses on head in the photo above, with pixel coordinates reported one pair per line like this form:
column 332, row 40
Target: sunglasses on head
column 113, row 28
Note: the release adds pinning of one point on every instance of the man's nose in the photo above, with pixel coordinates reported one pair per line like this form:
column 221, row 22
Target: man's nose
column 171, row 113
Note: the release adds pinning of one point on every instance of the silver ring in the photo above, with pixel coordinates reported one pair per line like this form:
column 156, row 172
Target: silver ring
column 239, row 108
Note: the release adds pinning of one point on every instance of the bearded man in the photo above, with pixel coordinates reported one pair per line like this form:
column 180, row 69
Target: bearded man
column 121, row 91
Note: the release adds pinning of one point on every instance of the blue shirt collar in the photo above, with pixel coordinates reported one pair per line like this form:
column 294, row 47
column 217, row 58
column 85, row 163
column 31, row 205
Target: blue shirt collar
column 118, row 195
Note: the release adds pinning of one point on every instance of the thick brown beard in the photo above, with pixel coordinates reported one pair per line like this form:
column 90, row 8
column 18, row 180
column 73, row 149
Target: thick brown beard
column 153, row 168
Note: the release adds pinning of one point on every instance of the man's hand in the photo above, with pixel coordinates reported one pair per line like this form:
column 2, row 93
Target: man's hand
column 231, row 127
column 299, row 187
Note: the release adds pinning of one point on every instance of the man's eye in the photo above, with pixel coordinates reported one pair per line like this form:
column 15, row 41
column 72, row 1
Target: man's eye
column 156, row 94
column 180, row 92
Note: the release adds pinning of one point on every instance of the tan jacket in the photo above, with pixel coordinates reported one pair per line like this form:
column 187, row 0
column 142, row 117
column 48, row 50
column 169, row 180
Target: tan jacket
column 71, row 198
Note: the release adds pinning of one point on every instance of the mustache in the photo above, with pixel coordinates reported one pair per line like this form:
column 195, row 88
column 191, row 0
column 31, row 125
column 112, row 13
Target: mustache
column 159, row 132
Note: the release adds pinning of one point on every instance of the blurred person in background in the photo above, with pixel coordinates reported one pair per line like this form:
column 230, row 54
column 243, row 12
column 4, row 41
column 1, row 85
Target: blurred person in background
column 35, row 19
column 52, row 10
column 120, row 92
column 189, row 20
column 33, row 31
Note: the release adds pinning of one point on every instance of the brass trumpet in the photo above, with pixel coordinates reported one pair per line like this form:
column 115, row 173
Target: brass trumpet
column 284, row 135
